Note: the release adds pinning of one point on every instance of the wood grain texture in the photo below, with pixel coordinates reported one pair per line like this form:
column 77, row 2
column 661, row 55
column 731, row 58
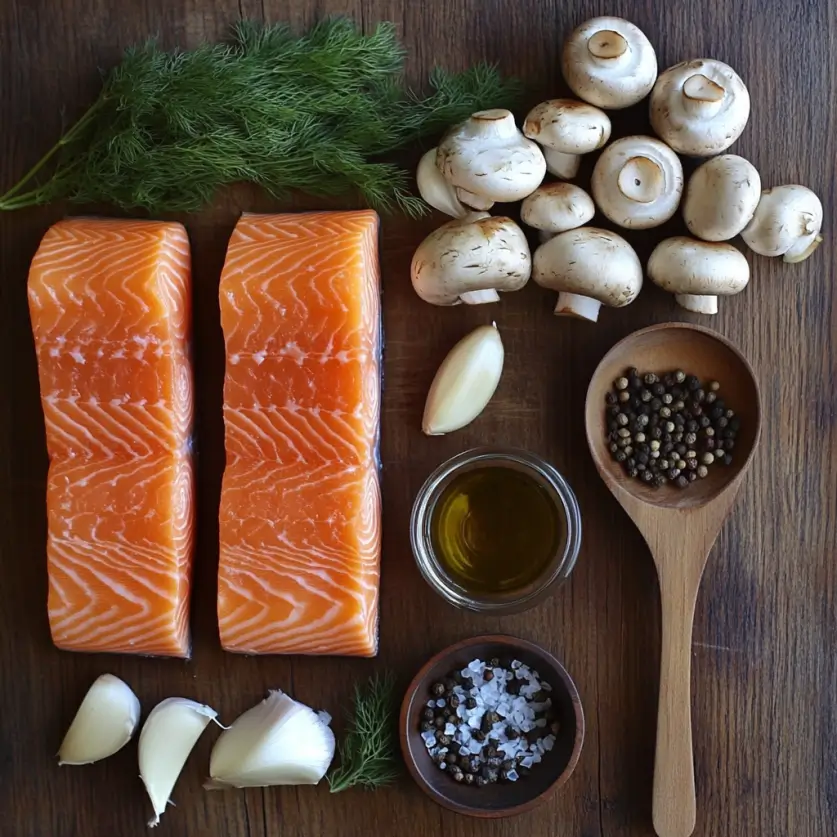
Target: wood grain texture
column 764, row 668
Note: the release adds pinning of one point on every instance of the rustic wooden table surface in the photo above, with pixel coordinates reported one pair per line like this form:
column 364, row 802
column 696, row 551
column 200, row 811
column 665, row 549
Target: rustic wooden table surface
column 765, row 668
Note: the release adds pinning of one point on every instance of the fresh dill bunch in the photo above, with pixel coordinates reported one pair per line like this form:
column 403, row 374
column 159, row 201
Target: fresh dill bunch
column 368, row 751
column 316, row 113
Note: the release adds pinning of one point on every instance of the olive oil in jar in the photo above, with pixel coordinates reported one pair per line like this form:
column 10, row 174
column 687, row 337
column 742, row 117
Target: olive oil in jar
column 495, row 529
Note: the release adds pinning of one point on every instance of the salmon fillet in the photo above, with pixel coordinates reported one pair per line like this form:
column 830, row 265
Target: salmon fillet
column 300, row 517
column 110, row 307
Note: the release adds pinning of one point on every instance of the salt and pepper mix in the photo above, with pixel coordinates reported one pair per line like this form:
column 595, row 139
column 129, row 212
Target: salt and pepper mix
column 489, row 722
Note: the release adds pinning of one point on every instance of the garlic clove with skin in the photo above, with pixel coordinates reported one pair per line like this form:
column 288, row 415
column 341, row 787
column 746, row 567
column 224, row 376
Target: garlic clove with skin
column 168, row 736
column 104, row 723
column 435, row 189
column 465, row 382
column 278, row 742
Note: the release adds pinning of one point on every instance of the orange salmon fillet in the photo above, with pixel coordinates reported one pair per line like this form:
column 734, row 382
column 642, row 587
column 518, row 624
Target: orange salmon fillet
column 110, row 304
column 300, row 518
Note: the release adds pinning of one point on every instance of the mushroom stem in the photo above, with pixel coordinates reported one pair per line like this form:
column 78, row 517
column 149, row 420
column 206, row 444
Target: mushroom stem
column 560, row 164
column 641, row 179
column 794, row 255
column 480, row 297
column 699, row 303
column 576, row 305
column 473, row 201
column 702, row 97
column 494, row 123
column 607, row 47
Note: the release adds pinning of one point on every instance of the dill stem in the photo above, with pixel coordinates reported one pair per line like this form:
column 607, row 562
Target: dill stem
column 11, row 199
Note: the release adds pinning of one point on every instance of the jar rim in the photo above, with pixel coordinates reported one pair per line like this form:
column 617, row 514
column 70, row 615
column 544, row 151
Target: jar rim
column 429, row 565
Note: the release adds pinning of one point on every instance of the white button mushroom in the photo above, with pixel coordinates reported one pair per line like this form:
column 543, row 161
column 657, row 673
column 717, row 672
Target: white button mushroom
column 698, row 272
column 568, row 128
column 609, row 62
column 637, row 182
column 435, row 189
column 589, row 268
column 555, row 208
column 721, row 197
column 699, row 107
column 787, row 223
column 488, row 159
column 470, row 259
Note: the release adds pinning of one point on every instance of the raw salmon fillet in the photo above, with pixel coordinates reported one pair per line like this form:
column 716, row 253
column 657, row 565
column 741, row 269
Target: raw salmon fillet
column 300, row 519
column 110, row 307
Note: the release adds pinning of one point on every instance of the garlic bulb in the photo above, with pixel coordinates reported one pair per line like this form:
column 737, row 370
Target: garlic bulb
column 465, row 382
column 277, row 742
column 104, row 723
column 168, row 736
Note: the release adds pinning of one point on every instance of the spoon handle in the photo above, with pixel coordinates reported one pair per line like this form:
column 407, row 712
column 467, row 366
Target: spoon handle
column 674, row 806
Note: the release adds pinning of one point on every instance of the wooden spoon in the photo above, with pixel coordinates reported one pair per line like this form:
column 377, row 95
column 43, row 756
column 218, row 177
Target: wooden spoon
column 680, row 526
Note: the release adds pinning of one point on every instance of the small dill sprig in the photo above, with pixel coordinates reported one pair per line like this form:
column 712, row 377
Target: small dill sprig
column 314, row 113
column 368, row 750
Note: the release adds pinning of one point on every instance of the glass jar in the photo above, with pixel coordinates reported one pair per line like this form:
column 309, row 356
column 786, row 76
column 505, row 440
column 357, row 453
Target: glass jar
column 554, row 571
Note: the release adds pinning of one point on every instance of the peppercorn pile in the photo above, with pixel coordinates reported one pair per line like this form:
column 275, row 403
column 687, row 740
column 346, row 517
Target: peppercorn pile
column 489, row 723
column 669, row 429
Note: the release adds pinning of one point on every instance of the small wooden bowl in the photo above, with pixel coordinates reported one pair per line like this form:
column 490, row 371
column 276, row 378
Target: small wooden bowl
column 501, row 799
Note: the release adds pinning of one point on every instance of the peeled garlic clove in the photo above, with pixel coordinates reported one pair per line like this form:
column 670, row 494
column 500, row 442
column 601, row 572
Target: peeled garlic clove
column 278, row 742
column 104, row 722
column 435, row 189
column 465, row 382
column 168, row 736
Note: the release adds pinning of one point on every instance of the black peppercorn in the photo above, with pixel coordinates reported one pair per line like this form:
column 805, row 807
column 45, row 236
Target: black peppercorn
column 478, row 735
column 722, row 422
column 490, row 751
column 428, row 714
column 450, row 758
column 440, row 722
column 673, row 473
column 682, row 481
column 513, row 686
column 632, row 472
column 470, row 703
column 442, row 740
column 467, row 683
column 480, row 781
column 453, row 702
column 494, row 662
column 659, row 480
column 727, row 459
column 437, row 689
column 692, row 476
column 457, row 775
column 450, row 684
column 427, row 726
column 679, row 376
column 512, row 734
column 647, row 476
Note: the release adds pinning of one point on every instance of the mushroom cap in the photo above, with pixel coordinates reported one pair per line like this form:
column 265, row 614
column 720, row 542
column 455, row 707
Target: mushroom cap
column 557, row 207
column 609, row 62
column 699, row 107
column 475, row 253
column 488, row 156
column 568, row 125
column 637, row 182
column 683, row 265
column 721, row 197
column 589, row 262
column 787, row 222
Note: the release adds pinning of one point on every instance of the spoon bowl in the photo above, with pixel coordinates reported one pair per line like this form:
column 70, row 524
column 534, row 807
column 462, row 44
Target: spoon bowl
column 680, row 526
column 697, row 351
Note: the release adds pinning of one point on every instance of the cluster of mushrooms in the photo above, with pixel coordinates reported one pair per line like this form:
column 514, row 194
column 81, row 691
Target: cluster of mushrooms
column 698, row 108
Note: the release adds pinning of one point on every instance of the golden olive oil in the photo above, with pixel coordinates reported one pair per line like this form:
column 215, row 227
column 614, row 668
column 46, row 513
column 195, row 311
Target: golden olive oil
column 495, row 529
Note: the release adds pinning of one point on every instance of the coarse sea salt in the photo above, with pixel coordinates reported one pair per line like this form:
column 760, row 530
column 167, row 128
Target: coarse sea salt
column 516, row 712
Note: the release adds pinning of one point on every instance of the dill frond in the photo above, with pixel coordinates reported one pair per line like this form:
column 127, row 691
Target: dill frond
column 314, row 114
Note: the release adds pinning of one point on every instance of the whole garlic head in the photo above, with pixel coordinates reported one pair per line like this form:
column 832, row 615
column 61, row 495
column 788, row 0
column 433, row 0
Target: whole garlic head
column 488, row 159
column 699, row 107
